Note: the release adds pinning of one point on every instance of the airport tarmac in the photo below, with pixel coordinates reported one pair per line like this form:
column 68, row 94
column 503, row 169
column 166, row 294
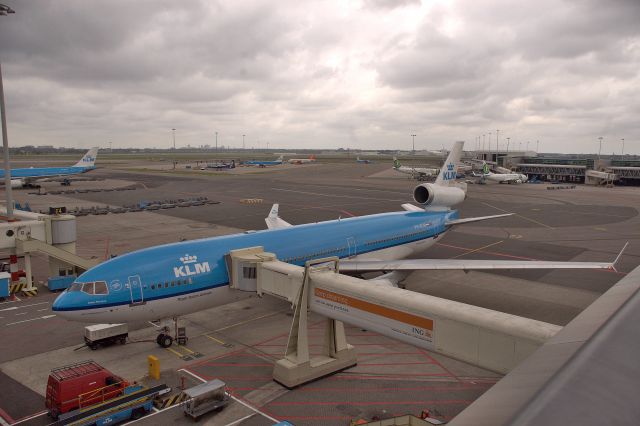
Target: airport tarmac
column 240, row 342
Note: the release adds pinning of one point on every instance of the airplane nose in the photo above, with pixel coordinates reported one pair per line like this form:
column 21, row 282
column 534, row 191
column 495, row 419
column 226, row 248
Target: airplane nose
column 58, row 303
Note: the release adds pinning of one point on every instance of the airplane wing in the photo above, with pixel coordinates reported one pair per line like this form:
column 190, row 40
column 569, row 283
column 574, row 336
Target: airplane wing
column 463, row 265
column 473, row 219
column 273, row 220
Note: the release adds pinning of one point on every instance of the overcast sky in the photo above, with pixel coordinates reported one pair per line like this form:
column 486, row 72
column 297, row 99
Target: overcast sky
column 323, row 74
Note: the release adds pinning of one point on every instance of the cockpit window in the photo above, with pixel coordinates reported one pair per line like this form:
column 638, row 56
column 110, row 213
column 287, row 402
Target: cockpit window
column 100, row 288
column 87, row 288
column 75, row 287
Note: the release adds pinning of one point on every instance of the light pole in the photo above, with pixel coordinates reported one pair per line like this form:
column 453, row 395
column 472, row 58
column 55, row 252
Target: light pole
column 497, row 143
column 537, row 146
column 508, row 140
column 600, row 149
column 243, row 142
column 413, row 140
column 489, row 141
column 483, row 156
column 4, row 10
column 216, row 141
column 173, row 131
column 623, row 147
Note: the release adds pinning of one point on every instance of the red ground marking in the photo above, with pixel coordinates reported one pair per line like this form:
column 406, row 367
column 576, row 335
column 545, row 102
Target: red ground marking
column 379, row 375
column 315, row 417
column 435, row 361
column 355, row 344
column 365, row 403
column 453, row 387
column 230, row 364
column 6, row 416
column 397, row 363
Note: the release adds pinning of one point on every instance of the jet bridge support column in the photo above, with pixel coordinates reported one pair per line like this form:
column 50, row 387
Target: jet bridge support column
column 297, row 367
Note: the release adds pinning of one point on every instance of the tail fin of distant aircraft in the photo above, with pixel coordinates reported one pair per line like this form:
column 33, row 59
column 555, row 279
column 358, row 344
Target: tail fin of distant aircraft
column 485, row 169
column 396, row 163
column 449, row 169
column 89, row 159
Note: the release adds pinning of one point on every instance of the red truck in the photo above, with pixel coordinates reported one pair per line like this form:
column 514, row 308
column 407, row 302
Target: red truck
column 80, row 385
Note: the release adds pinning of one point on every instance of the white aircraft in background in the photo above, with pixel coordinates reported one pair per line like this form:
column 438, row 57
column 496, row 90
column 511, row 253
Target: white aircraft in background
column 311, row 159
column 501, row 177
column 419, row 173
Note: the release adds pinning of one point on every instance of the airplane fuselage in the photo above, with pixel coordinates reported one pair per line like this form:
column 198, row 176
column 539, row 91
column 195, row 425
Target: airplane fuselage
column 42, row 172
column 176, row 279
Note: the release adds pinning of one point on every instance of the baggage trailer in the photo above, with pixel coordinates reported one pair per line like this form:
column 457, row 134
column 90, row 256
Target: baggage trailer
column 205, row 397
column 135, row 402
column 105, row 335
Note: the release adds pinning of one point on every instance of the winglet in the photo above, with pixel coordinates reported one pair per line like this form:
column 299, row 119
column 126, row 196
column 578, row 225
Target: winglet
column 273, row 220
column 613, row 264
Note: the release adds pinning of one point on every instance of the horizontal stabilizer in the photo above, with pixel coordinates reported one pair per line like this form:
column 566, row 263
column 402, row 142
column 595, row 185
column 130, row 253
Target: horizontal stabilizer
column 411, row 208
column 273, row 220
column 463, row 265
column 475, row 219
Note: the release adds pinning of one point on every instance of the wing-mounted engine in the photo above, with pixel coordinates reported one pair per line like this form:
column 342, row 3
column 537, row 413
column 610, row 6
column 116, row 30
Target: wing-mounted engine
column 17, row 183
column 432, row 195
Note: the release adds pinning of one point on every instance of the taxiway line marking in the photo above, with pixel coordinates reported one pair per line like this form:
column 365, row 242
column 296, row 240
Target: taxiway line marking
column 235, row 422
column 12, row 308
column 186, row 349
column 215, row 340
column 176, row 353
column 519, row 215
column 478, row 249
column 26, row 419
column 32, row 319
column 246, row 322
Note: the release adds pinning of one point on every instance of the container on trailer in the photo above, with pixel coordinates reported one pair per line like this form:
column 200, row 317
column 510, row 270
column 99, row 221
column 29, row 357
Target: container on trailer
column 205, row 397
column 105, row 334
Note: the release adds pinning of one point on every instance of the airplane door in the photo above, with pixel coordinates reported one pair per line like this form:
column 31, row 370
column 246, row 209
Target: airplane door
column 135, row 289
column 351, row 244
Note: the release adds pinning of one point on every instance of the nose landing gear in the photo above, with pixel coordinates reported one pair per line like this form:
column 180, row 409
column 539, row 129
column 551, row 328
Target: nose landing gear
column 164, row 339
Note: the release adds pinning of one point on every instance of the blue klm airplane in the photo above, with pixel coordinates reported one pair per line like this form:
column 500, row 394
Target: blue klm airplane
column 23, row 177
column 263, row 163
column 172, row 280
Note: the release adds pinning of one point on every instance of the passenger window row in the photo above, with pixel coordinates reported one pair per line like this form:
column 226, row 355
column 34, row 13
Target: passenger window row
column 331, row 252
column 398, row 237
column 174, row 283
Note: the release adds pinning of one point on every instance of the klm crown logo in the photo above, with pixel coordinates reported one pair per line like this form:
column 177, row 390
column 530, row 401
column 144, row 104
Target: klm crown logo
column 450, row 173
column 188, row 259
column 190, row 266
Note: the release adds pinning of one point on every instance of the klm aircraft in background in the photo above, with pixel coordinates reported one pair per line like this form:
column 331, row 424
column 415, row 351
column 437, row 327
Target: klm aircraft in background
column 24, row 177
column 263, row 163
column 171, row 280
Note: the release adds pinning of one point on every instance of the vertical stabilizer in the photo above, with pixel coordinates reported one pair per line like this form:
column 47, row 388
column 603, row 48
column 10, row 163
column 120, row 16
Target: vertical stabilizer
column 396, row 163
column 89, row 159
column 449, row 169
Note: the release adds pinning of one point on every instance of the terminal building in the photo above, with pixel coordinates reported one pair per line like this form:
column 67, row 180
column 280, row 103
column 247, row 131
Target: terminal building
column 587, row 168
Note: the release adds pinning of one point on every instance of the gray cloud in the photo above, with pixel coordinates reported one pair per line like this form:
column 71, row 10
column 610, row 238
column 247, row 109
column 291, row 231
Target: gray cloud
column 322, row 74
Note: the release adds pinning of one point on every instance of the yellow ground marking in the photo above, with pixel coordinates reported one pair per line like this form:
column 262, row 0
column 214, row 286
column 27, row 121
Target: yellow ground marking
column 478, row 249
column 518, row 214
column 214, row 339
column 246, row 322
column 176, row 353
column 186, row 349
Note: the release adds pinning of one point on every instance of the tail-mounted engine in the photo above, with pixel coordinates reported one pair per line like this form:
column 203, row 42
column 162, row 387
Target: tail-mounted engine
column 431, row 195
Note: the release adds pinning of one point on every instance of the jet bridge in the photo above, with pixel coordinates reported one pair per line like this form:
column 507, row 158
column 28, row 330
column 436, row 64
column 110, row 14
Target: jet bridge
column 490, row 339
